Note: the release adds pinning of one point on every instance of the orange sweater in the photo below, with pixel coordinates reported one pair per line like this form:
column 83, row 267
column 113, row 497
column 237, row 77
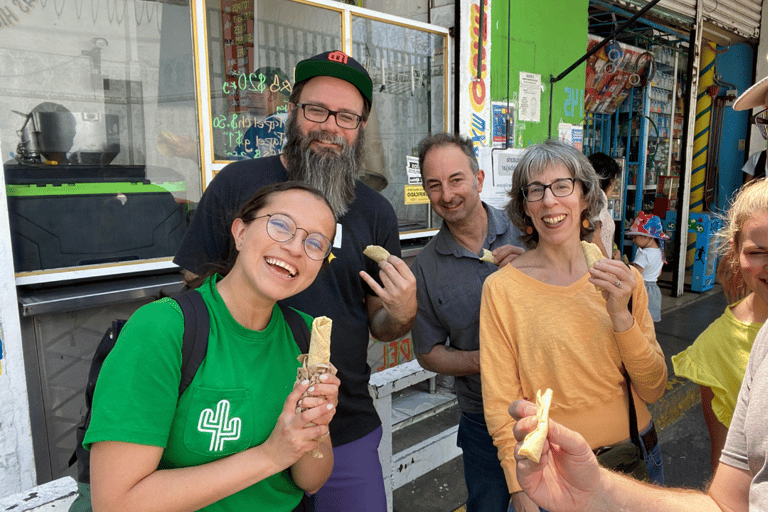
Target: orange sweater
column 536, row 336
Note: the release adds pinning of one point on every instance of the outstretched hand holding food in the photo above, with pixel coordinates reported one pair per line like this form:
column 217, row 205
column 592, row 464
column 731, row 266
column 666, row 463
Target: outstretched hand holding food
column 392, row 310
column 567, row 475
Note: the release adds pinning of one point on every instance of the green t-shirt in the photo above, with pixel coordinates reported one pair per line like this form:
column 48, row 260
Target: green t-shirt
column 231, row 405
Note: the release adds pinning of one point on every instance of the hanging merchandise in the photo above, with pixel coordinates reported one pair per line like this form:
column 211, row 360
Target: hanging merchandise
column 612, row 72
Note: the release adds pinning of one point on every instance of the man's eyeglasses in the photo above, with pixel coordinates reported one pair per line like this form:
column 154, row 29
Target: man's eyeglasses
column 560, row 188
column 282, row 228
column 761, row 121
column 318, row 114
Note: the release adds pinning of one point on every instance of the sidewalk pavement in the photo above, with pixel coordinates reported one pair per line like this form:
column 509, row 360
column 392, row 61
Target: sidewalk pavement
column 683, row 319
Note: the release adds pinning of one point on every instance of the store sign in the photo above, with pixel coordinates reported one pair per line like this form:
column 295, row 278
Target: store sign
column 414, row 194
column 475, row 104
column 412, row 170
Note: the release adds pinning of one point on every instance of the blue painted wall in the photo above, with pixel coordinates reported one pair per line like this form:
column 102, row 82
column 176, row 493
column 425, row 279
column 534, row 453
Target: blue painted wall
column 734, row 65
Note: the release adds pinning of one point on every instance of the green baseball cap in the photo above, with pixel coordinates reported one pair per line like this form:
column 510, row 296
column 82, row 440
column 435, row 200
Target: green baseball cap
column 336, row 64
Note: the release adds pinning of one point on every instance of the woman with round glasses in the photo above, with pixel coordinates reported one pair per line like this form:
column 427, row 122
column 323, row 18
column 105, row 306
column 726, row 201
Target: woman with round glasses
column 234, row 440
column 544, row 324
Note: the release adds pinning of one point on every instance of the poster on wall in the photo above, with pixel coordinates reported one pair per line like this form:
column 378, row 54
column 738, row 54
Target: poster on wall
column 474, row 77
column 412, row 170
column 572, row 134
column 502, row 112
column 530, row 97
column 611, row 73
column 498, row 166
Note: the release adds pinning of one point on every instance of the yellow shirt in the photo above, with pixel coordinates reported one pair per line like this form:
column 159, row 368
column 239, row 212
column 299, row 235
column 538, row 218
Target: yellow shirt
column 536, row 336
column 718, row 359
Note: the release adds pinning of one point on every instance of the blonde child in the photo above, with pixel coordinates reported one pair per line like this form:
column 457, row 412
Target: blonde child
column 718, row 358
column 647, row 234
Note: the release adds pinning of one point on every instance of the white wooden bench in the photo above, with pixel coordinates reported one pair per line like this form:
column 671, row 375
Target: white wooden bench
column 413, row 462
column 55, row 496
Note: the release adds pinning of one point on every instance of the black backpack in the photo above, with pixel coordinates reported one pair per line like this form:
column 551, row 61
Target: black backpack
column 193, row 349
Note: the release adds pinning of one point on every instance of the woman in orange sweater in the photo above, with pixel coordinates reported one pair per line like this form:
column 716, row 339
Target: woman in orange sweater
column 544, row 324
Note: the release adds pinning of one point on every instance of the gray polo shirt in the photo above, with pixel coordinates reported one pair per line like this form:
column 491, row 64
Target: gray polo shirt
column 449, row 284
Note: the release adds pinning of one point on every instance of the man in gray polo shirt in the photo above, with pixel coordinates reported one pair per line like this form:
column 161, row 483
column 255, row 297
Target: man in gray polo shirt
column 449, row 282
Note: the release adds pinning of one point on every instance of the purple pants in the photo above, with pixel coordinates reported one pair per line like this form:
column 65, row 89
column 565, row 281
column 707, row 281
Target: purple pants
column 356, row 483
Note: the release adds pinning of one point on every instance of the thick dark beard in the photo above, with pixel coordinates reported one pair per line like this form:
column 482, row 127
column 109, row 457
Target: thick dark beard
column 332, row 173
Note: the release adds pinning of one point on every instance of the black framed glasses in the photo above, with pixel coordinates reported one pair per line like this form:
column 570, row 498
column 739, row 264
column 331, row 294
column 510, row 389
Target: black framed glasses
column 561, row 187
column 318, row 114
column 761, row 121
column 282, row 228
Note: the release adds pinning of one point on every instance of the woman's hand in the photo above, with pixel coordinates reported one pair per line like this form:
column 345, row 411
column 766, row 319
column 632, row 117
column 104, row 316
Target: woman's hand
column 322, row 394
column 617, row 282
column 296, row 433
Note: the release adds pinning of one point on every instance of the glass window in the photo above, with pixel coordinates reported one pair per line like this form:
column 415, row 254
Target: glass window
column 408, row 72
column 99, row 131
column 252, row 49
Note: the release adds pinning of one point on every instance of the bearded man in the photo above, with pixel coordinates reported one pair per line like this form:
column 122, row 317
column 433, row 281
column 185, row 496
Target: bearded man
column 327, row 111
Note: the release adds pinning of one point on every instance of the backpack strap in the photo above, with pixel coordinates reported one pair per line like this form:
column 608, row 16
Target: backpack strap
column 196, row 331
column 298, row 327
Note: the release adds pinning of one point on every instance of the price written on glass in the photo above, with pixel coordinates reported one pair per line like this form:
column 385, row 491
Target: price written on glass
column 253, row 82
column 233, row 133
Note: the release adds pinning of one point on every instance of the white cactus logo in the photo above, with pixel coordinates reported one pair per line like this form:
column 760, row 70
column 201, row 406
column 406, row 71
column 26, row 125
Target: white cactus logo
column 219, row 425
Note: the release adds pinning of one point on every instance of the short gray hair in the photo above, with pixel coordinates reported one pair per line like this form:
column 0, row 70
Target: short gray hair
column 448, row 139
column 534, row 161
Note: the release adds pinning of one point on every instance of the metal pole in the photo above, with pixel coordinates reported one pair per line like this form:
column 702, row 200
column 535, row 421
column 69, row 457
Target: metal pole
column 480, row 41
column 684, row 190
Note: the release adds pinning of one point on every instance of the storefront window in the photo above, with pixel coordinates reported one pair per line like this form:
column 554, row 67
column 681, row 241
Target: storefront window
column 252, row 49
column 408, row 71
column 99, row 132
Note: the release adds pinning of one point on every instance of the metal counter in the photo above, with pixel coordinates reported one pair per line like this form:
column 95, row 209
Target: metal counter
column 61, row 327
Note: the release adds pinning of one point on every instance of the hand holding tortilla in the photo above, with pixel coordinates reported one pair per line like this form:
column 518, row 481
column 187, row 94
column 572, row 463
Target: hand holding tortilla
column 318, row 361
column 487, row 256
column 534, row 441
column 376, row 252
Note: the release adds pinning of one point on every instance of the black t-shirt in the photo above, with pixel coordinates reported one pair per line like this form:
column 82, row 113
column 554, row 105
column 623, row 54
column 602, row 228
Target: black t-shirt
column 338, row 292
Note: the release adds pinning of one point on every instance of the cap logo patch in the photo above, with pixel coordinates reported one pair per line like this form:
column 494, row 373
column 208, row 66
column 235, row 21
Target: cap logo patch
column 338, row 56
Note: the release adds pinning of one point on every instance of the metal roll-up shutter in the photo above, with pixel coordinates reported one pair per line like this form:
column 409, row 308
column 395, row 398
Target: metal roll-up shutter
column 740, row 17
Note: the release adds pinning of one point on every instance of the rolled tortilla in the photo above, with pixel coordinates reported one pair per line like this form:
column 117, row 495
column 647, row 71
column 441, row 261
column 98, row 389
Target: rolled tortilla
column 487, row 256
column 534, row 441
column 376, row 252
column 593, row 254
column 320, row 341
column 318, row 361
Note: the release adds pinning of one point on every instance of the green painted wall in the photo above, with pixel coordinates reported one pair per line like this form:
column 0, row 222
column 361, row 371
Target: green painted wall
column 548, row 36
